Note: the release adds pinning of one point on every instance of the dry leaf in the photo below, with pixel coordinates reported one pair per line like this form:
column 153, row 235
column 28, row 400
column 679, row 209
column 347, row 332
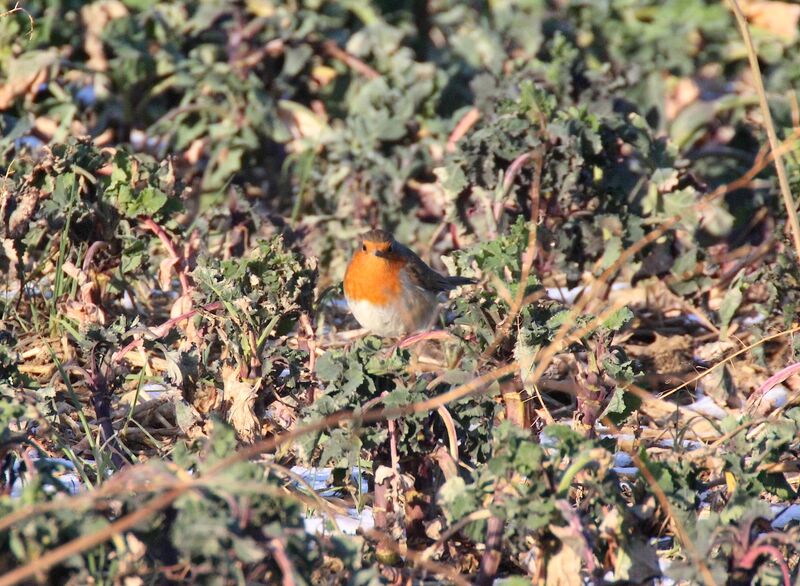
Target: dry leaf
column 165, row 272
column 666, row 354
column 681, row 93
column 195, row 151
column 261, row 8
column 714, row 351
column 45, row 126
column 84, row 313
column 10, row 253
column 564, row 568
column 303, row 124
column 71, row 270
column 24, row 208
column 678, row 416
column 241, row 396
column 182, row 304
column 26, row 73
column 90, row 293
column 323, row 74
column 778, row 18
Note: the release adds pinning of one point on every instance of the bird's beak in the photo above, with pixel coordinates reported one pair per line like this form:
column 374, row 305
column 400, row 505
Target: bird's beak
column 381, row 253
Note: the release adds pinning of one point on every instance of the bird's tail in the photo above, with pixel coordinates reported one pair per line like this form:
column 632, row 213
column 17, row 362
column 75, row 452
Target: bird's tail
column 458, row 281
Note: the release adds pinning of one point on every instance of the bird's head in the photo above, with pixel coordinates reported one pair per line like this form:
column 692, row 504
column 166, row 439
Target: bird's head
column 378, row 243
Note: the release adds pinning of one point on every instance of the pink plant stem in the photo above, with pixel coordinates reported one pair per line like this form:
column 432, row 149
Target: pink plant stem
column 514, row 168
column 432, row 335
column 467, row 121
column 749, row 560
column 287, row 569
column 92, row 250
column 180, row 267
column 777, row 378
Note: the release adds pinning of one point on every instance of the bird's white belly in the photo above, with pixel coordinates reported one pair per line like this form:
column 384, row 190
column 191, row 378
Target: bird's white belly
column 384, row 320
column 417, row 310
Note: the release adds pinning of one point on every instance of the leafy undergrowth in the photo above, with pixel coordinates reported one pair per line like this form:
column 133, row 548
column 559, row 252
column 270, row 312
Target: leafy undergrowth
column 183, row 397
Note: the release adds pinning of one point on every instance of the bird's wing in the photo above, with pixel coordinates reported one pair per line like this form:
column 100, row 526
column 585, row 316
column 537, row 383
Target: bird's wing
column 424, row 276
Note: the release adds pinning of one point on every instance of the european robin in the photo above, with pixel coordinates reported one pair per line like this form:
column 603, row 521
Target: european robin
column 390, row 290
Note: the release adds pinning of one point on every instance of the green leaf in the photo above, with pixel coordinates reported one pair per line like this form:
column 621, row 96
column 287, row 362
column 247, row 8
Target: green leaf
column 618, row 319
column 776, row 484
column 152, row 200
column 329, row 368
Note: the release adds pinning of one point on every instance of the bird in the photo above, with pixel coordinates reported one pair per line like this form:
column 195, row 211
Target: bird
column 390, row 290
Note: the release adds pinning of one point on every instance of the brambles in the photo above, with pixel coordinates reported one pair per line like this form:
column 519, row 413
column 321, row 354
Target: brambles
column 182, row 185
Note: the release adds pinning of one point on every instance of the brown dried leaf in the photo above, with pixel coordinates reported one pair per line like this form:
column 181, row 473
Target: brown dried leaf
column 303, row 124
column 25, row 206
column 195, row 151
column 563, row 568
column 26, row 73
column 666, row 412
column 90, row 293
column 666, row 354
column 778, row 18
column 241, row 395
column 682, row 92
column 84, row 313
column 182, row 304
column 9, row 259
column 72, row 271
column 45, row 126
column 714, row 351
column 165, row 268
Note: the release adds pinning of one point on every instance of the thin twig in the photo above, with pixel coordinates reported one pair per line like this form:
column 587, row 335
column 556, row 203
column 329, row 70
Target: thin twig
column 321, row 502
column 352, row 62
column 492, row 554
column 394, row 482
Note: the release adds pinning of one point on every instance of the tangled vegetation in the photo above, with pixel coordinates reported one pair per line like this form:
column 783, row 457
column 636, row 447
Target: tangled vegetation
column 183, row 397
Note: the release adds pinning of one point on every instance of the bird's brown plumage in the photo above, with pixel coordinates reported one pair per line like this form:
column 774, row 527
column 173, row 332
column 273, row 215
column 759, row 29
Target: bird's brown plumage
column 395, row 283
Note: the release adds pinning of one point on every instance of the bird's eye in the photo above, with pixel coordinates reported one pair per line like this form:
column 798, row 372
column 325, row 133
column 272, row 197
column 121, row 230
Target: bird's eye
column 364, row 247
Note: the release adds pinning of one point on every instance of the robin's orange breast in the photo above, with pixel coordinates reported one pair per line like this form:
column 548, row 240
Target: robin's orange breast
column 373, row 279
